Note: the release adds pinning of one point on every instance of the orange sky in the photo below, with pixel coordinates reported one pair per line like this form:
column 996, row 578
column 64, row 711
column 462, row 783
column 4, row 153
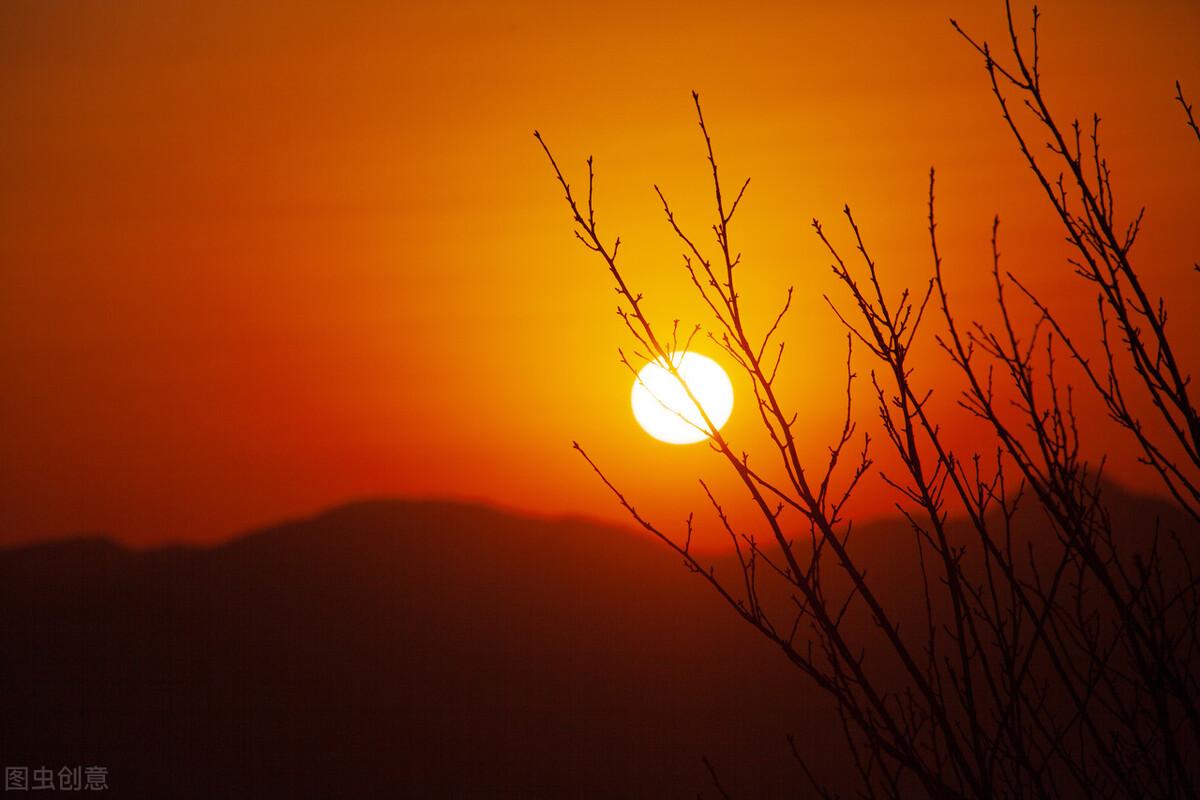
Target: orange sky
column 257, row 259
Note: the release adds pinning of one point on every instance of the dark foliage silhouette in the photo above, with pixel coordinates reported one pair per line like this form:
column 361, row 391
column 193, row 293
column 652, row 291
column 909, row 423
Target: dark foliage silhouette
column 1052, row 654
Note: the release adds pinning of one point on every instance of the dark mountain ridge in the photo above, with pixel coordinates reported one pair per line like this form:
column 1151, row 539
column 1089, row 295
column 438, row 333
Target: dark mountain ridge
column 402, row 648
column 387, row 649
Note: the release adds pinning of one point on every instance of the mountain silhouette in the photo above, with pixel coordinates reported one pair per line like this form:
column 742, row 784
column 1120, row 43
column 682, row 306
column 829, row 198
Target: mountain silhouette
column 413, row 649
column 389, row 648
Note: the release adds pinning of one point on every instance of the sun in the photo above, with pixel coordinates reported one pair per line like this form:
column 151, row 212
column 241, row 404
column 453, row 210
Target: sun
column 661, row 404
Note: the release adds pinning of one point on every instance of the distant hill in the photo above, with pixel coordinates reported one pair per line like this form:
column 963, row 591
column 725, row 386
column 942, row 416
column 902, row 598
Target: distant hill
column 389, row 649
column 413, row 649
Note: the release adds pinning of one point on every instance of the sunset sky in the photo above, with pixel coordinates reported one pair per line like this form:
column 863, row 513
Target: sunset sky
column 258, row 259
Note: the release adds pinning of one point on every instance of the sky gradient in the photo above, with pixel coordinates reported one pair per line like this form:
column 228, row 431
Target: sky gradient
column 255, row 261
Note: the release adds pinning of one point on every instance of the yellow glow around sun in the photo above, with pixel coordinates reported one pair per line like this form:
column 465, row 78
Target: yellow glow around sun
column 663, row 408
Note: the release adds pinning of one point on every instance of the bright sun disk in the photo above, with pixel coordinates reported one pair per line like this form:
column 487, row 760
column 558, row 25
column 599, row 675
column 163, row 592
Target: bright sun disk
column 662, row 406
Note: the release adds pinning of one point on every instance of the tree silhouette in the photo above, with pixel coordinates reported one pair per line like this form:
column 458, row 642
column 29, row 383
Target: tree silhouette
column 1045, row 661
